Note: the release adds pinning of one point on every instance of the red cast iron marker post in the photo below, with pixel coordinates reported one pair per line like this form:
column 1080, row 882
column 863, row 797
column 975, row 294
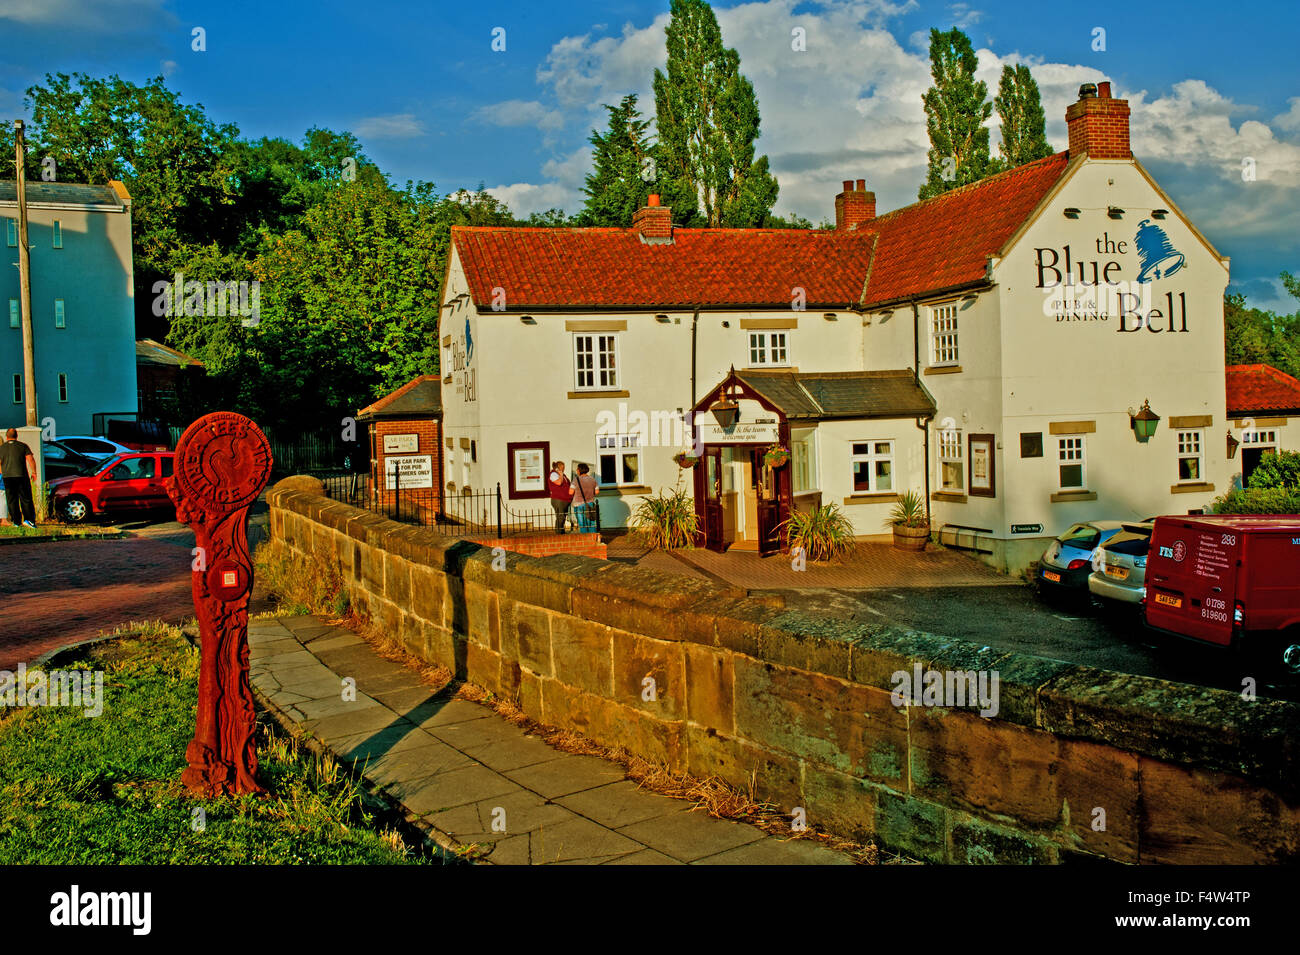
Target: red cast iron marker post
column 223, row 461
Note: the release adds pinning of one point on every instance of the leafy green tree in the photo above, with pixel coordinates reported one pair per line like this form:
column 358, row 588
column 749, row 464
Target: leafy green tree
column 956, row 107
column 1254, row 336
column 1277, row 469
column 1020, row 110
column 621, row 157
column 707, row 121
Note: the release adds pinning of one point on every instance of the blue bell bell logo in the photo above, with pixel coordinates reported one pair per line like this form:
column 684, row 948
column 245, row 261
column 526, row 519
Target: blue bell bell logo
column 1156, row 257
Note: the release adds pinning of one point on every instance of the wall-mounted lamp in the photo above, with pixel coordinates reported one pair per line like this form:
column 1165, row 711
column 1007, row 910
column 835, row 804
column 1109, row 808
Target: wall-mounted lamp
column 1143, row 422
column 726, row 324
column 885, row 316
column 528, row 320
column 1072, row 213
column 1115, row 212
column 662, row 319
column 1232, row 446
column 968, row 301
column 830, row 317
column 727, row 410
column 1159, row 213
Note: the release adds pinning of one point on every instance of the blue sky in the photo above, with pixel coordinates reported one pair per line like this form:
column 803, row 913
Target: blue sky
column 1209, row 83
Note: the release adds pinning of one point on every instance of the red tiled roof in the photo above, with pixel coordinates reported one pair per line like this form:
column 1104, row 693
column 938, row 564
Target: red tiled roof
column 1253, row 388
column 940, row 243
column 945, row 242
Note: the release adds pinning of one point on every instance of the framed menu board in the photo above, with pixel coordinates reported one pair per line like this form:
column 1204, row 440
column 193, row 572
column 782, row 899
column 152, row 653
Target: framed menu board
column 982, row 479
column 529, row 461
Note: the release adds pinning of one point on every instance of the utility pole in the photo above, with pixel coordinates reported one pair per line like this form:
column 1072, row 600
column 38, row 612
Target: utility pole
column 25, row 281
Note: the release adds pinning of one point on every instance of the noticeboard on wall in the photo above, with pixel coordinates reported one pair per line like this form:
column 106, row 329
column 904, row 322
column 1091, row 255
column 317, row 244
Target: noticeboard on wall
column 982, row 478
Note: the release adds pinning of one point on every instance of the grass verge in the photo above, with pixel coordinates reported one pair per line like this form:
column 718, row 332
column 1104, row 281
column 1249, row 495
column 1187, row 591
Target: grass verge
column 76, row 790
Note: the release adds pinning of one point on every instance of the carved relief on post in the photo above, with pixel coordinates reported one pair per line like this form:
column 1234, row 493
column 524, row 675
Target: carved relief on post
column 223, row 461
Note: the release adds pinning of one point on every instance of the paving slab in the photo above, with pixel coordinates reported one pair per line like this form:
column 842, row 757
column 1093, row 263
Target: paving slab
column 478, row 779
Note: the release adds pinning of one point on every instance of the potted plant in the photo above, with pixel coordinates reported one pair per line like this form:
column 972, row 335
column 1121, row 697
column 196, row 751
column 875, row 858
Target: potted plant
column 823, row 533
column 685, row 459
column 911, row 525
column 776, row 456
column 666, row 522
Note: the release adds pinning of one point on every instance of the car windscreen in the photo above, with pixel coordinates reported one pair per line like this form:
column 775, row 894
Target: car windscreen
column 95, row 467
column 1081, row 536
column 1134, row 545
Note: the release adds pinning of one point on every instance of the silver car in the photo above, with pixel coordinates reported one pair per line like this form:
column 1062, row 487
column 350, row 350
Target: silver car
column 1121, row 578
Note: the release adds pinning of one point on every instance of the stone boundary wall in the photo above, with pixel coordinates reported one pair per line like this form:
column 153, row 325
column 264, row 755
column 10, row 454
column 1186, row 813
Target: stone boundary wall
column 588, row 544
column 801, row 705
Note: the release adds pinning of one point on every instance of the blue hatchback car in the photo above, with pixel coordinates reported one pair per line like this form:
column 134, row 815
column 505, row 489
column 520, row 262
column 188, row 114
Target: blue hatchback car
column 1067, row 563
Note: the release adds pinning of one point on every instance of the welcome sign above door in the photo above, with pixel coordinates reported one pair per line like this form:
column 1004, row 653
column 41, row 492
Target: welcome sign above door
column 742, row 432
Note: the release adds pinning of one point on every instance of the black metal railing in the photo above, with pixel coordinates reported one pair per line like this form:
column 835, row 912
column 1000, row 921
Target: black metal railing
column 455, row 513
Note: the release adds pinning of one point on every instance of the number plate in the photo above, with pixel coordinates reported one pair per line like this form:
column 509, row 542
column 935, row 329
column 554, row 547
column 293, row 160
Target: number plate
column 1054, row 578
column 1119, row 573
column 1169, row 601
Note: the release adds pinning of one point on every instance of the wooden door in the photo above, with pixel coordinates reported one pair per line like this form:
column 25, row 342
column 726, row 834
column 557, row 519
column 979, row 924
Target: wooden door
column 767, row 485
column 711, row 494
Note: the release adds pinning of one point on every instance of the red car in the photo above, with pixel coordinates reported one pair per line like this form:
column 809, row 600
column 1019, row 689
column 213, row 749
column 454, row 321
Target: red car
column 128, row 482
column 1229, row 580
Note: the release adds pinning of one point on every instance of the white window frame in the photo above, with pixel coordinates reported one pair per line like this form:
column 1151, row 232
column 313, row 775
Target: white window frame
column 602, row 378
column 952, row 451
column 871, row 457
column 11, row 233
column 57, row 232
column 1191, row 444
column 803, row 454
column 15, row 314
column 944, row 337
column 619, row 446
column 770, row 348
column 1072, row 449
column 60, row 314
column 1259, row 437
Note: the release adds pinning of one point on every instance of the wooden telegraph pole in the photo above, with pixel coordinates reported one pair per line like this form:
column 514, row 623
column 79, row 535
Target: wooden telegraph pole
column 25, row 281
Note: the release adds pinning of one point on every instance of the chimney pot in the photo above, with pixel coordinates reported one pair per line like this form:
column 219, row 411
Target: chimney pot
column 1087, row 90
column 848, row 185
column 653, row 200
column 1103, row 90
column 862, row 185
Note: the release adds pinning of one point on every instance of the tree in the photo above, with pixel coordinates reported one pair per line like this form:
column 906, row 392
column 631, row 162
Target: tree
column 622, row 161
column 707, row 121
column 1020, row 109
column 1255, row 336
column 956, row 107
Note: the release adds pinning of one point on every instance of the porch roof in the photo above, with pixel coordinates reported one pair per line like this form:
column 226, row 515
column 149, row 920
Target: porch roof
column 820, row 396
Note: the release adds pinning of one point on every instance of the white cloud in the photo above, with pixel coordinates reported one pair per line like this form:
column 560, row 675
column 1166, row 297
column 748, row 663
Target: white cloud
column 1289, row 122
column 517, row 112
column 524, row 198
column 395, row 126
column 106, row 16
column 964, row 15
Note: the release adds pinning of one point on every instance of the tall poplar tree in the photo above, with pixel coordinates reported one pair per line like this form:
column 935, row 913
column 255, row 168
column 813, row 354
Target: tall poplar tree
column 1024, row 127
column 707, row 121
column 956, row 107
column 619, row 178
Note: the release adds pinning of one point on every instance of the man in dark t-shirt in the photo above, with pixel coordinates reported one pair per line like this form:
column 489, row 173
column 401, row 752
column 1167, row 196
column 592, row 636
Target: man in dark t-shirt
column 18, row 467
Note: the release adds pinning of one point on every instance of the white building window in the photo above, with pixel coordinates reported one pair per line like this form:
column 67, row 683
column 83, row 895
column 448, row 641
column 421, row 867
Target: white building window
column 14, row 315
column 768, row 348
column 60, row 316
column 1191, row 457
column 595, row 362
column 58, row 234
column 63, row 387
column 803, row 462
column 873, row 466
column 952, row 464
column 618, row 459
column 12, row 233
column 943, row 335
column 1071, row 458
column 1259, row 438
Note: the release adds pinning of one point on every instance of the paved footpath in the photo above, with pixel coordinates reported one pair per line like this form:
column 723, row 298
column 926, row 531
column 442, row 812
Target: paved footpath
column 462, row 767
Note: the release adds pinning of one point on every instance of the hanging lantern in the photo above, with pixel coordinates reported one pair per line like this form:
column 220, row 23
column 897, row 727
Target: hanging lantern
column 1144, row 423
column 727, row 410
column 1232, row 446
column 1156, row 257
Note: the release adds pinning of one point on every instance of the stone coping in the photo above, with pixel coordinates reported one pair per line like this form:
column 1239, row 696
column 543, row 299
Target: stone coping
column 1179, row 723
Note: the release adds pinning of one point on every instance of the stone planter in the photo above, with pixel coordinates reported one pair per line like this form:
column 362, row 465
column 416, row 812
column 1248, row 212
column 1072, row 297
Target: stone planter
column 911, row 538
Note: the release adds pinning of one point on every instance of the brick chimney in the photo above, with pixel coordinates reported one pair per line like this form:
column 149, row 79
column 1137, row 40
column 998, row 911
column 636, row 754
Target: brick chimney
column 854, row 206
column 1098, row 124
column 653, row 221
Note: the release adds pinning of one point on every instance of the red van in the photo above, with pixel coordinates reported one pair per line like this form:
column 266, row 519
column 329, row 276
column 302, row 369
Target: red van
column 1230, row 579
column 126, row 482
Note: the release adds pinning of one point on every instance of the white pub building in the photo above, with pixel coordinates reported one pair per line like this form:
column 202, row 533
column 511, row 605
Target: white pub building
column 1041, row 347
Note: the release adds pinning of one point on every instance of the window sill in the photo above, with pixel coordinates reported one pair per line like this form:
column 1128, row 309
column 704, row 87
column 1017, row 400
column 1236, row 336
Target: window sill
column 1064, row 497
column 888, row 497
column 1199, row 487
column 953, row 497
column 599, row 394
column 790, row 368
column 942, row 370
column 620, row 490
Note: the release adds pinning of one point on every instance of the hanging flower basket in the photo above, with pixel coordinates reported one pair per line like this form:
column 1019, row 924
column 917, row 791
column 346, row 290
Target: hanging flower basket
column 686, row 459
column 776, row 456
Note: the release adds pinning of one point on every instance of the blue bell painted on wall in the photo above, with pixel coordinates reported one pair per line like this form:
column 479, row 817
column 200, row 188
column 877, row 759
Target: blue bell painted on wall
column 1156, row 257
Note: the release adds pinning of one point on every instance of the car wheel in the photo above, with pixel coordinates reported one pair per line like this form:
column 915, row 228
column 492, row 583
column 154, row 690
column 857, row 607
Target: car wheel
column 1288, row 656
column 76, row 510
